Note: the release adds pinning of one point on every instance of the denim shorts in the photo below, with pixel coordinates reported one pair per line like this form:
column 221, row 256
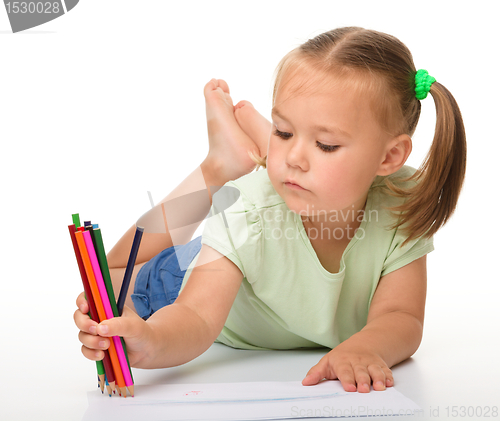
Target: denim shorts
column 158, row 282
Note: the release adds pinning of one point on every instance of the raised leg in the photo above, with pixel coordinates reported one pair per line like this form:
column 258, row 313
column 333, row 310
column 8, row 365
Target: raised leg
column 228, row 158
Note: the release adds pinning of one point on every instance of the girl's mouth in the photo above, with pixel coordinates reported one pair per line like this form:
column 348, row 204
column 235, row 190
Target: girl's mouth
column 294, row 186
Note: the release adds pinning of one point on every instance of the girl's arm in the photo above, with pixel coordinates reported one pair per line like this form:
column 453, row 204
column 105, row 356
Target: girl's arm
column 392, row 334
column 178, row 332
column 205, row 177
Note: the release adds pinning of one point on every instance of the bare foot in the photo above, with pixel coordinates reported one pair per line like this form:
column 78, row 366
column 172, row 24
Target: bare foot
column 229, row 145
column 254, row 124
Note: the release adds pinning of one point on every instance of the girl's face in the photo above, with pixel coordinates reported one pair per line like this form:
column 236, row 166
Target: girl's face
column 329, row 144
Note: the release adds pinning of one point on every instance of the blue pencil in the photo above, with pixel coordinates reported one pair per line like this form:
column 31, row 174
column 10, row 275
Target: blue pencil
column 108, row 387
column 130, row 268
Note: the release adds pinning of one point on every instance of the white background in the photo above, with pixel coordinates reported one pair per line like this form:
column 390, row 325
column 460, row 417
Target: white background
column 106, row 103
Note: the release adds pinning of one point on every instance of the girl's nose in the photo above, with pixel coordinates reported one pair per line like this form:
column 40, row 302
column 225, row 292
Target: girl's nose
column 296, row 155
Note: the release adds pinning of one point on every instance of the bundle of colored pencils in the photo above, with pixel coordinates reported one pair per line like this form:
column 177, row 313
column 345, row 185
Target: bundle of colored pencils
column 113, row 371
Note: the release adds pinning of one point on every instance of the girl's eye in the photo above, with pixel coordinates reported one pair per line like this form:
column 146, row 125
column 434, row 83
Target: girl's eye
column 323, row 147
column 327, row 148
column 283, row 135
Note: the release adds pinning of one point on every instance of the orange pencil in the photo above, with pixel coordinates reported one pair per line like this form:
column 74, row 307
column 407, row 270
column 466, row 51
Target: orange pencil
column 120, row 382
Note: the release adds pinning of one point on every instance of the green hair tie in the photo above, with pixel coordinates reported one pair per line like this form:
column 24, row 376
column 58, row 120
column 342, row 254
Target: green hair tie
column 423, row 82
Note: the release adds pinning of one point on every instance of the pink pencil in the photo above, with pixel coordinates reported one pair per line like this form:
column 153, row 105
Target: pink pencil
column 107, row 309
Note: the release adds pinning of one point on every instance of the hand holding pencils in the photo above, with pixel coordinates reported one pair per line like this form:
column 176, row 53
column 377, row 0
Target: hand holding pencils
column 114, row 370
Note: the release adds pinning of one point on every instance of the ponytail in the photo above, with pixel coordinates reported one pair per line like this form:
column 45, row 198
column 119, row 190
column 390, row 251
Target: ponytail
column 431, row 202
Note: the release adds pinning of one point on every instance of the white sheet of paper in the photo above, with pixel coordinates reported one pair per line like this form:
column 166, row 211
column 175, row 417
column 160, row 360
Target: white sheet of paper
column 246, row 401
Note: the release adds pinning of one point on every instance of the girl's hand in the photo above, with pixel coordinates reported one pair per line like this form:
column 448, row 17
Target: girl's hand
column 353, row 366
column 96, row 337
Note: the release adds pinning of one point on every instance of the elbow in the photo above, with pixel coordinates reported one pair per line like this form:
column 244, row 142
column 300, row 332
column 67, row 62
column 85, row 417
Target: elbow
column 415, row 330
column 410, row 337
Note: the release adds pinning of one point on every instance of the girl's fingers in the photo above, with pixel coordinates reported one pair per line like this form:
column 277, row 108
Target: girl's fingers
column 389, row 379
column 92, row 354
column 378, row 377
column 320, row 371
column 346, row 376
column 128, row 325
column 82, row 303
column 93, row 342
column 312, row 378
column 85, row 323
column 363, row 379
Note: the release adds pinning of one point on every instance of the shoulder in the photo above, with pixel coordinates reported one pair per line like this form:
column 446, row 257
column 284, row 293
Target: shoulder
column 234, row 226
column 400, row 178
column 256, row 190
column 381, row 195
column 382, row 209
column 383, row 218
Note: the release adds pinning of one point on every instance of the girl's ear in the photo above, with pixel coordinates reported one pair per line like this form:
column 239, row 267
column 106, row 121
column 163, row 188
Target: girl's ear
column 396, row 153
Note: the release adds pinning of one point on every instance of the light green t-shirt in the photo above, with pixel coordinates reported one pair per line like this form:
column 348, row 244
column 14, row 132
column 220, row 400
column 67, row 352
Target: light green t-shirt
column 287, row 298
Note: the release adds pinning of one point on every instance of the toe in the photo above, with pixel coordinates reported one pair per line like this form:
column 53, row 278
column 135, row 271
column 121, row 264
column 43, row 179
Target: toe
column 242, row 104
column 245, row 114
column 223, row 85
column 210, row 86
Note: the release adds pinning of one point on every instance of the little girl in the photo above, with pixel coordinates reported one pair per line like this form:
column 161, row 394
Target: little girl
column 324, row 247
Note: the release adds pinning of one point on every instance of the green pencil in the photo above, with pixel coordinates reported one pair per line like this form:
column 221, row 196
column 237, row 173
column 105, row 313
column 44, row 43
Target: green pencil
column 100, row 373
column 76, row 219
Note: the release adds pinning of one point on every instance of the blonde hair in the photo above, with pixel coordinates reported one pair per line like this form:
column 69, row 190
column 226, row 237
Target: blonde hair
column 383, row 65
